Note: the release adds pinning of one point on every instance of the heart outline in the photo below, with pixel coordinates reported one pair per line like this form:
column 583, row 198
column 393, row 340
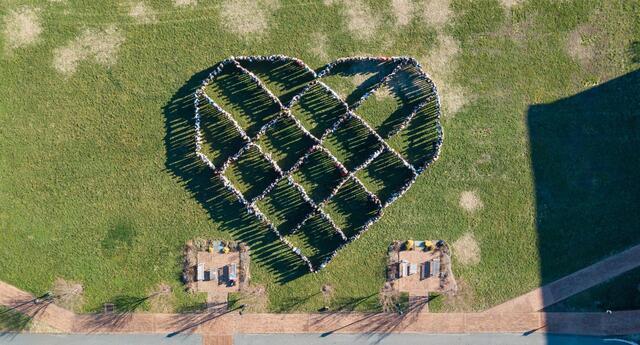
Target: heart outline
column 284, row 112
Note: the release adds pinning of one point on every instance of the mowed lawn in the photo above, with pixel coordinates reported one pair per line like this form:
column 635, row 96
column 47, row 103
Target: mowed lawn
column 94, row 100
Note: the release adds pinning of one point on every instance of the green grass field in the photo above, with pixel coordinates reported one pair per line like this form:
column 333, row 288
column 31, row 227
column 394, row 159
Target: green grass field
column 95, row 104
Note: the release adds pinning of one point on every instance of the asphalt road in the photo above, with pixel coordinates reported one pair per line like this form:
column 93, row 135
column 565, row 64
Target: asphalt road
column 422, row 339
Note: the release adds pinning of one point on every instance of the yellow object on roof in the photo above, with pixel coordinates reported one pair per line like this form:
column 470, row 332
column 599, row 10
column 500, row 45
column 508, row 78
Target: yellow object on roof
column 409, row 244
column 428, row 245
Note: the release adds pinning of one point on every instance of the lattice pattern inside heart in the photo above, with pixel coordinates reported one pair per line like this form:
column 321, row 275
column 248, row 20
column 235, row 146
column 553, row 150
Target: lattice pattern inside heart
column 293, row 151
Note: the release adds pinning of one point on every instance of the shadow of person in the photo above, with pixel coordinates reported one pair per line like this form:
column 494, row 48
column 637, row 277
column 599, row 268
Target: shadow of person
column 208, row 190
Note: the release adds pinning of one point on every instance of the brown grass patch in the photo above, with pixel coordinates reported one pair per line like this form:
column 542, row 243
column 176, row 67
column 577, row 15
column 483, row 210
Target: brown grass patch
column 437, row 12
column 22, row 27
column 440, row 65
column 98, row 45
column 580, row 49
column 363, row 23
column 462, row 300
column 440, row 61
column 247, row 17
column 403, row 11
column 602, row 48
column 68, row 294
column 255, row 297
column 361, row 20
column 466, row 250
column 161, row 300
column 517, row 30
column 510, row 3
column 319, row 43
column 470, row 202
column 143, row 14
column 184, row 3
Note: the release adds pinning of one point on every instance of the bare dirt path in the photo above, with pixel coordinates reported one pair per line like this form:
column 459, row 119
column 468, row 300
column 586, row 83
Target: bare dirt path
column 572, row 284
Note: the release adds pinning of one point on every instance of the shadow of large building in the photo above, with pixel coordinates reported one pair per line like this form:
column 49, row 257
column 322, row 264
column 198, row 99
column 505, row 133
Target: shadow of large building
column 585, row 156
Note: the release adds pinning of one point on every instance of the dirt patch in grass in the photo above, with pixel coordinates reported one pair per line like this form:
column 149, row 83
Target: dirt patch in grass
column 604, row 44
column 470, row 202
column 143, row 13
column 362, row 22
column 68, row 294
column 184, row 3
column 319, row 43
column 161, row 300
column 247, row 17
column 22, row 27
column 517, row 30
column 255, row 298
column 403, row 11
column 440, row 65
column 454, row 98
column 437, row 12
column 510, row 3
column 462, row 300
column 441, row 58
column 467, row 250
column 101, row 46
column 579, row 48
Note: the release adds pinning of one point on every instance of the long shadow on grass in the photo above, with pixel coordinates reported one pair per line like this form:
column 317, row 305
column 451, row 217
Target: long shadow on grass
column 586, row 167
column 208, row 190
column 417, row 142
column 241, row 97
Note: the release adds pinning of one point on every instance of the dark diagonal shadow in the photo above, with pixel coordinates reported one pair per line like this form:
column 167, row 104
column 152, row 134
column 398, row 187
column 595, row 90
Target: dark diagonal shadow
column 586, row 168
column 207, row 189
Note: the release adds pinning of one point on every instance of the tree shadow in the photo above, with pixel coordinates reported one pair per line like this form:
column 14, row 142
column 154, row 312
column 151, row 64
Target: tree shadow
column 12, row 322
column 373, row 326
column 190, row 322
column 586, row 170
column 17, row 317
column 208, row 190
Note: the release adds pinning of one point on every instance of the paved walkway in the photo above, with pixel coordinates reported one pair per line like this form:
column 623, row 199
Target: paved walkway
column 219, row 327
column 516, row 316
column 572, row 284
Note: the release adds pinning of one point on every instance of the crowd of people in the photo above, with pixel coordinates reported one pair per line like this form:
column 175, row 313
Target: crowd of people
column 317, row 207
